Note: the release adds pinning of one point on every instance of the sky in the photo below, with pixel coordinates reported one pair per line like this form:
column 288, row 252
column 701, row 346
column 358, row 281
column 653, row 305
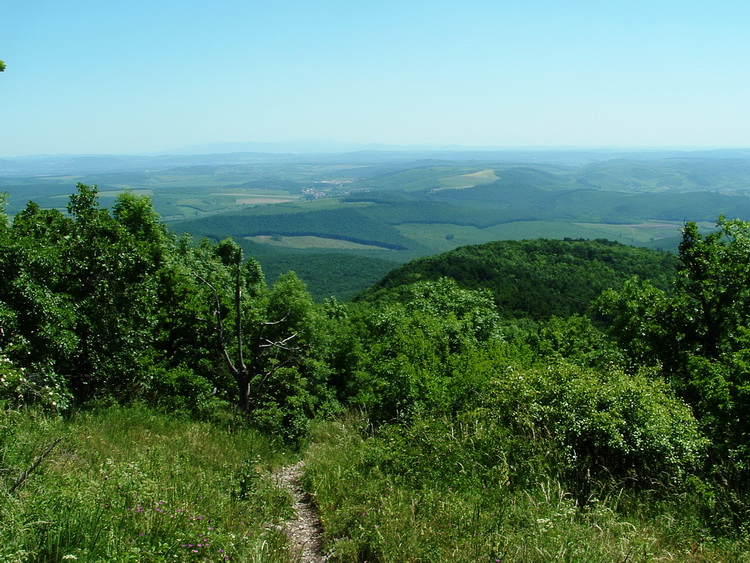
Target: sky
column 136, row 77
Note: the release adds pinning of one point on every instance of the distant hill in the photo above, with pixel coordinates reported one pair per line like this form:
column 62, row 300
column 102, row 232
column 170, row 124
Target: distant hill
column 326, row 274
column 537, row 278
column 377, row 208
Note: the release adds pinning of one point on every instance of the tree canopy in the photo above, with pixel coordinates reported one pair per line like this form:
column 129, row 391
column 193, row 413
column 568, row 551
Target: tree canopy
column 538, row 278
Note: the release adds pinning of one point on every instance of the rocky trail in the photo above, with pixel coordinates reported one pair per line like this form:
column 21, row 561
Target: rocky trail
column 304, row 531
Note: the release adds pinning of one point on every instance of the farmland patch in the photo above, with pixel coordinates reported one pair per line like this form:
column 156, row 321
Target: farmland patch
column 311, row 242
column 257, row 199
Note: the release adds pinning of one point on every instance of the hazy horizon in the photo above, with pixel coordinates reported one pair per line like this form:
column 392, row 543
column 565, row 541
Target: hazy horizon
column 152, row 78
column 332, row 148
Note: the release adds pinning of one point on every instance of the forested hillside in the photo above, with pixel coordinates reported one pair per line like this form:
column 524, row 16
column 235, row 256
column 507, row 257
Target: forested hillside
column 534, row 278
column 516, row 401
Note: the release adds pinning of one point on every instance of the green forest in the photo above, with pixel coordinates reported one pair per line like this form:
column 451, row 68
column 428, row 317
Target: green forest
column 528, row 400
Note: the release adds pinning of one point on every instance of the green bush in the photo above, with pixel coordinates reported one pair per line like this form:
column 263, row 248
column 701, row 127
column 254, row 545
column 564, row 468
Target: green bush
column 608, row 425
column 182, row 390
column 283, row 405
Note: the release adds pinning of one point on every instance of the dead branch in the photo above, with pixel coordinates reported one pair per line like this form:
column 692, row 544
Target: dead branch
column 25, row 475
column 280, row 343
column 219, row 323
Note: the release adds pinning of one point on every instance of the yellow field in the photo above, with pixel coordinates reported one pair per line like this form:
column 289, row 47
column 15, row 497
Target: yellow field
column 468, row 180
column 252, row 199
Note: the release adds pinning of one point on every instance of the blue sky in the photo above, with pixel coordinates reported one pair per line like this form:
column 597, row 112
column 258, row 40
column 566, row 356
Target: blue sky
column 130, row 76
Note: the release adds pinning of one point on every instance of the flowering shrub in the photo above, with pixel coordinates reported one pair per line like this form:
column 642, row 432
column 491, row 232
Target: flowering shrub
column 20, row 387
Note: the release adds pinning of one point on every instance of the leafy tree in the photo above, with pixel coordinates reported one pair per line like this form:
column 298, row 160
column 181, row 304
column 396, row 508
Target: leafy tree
column 232, row 288
column 79, row 293
column 701, row 333
column 111, row 274
column 638, row 316
column 714, row 285
column 418, row 349
column 2, row 66
column 37, row 316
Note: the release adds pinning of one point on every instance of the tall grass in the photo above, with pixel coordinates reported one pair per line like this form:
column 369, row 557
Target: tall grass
column 374, row 509
column 127, row 484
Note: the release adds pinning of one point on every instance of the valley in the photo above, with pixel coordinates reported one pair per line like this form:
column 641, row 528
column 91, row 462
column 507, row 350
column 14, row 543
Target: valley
column 381, row 209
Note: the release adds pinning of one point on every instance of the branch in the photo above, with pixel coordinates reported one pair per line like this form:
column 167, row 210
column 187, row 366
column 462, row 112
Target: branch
column 274, row 323
column 238, row 312
column 25, row 475
column 280, row 343
column 219, row 324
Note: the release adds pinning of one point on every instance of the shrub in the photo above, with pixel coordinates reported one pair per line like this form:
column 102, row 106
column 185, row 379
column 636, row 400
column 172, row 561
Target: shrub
column 39, row 386
column 607, row 425
column 182, row 390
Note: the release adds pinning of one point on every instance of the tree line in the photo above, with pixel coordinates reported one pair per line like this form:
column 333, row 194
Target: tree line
column 647, row 384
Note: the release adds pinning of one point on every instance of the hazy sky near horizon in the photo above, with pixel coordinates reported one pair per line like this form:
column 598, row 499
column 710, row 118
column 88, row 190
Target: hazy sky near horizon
column 131, row 76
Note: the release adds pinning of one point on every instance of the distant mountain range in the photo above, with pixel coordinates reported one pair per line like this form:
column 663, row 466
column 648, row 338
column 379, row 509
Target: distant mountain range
column 302, row 147
column 337, row 147
column 330, row 152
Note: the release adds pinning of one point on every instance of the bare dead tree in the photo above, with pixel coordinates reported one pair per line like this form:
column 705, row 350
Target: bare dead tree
column 244, row 372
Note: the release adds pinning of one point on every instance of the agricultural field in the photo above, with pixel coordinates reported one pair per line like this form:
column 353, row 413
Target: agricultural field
column 291, row 211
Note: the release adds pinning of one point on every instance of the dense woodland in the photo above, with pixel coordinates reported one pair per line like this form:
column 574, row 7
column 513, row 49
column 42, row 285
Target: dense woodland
column 514, row 401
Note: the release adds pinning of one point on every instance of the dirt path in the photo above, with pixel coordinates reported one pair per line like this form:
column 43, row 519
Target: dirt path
column 305, row 530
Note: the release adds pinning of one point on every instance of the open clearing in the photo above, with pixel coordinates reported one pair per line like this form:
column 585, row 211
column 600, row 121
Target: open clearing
column 467, row 180
column 253, row 199
column 110, row 193
column 441, row 237
column 637, row 232
column 311, row 242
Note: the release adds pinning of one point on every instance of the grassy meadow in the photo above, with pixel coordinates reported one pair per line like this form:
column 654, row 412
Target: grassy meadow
column 467, row 508
column 130, row 484
column 133, row 484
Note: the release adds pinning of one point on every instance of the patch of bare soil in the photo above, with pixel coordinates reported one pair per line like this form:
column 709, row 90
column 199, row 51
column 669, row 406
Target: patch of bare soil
column 304, row 532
